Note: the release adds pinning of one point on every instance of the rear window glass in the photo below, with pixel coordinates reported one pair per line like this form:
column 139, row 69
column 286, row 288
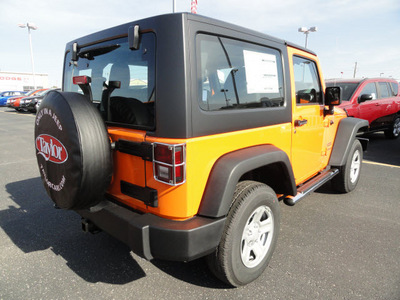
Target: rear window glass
column 107, row 63
column 238, row 75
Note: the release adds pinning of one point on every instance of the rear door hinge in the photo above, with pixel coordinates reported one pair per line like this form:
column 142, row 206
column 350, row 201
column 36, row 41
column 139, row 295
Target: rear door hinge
column 143, row 150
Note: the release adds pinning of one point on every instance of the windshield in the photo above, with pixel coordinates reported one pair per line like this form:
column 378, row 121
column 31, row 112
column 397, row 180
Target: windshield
column 122, row 80
column 42, row 93
column 348, row 88
column 30, row 93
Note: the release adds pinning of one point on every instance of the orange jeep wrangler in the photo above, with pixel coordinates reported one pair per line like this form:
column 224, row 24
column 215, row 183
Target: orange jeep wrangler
column 179, row 134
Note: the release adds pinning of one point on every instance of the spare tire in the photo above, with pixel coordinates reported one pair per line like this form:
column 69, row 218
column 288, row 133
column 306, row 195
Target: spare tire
column 73, row 150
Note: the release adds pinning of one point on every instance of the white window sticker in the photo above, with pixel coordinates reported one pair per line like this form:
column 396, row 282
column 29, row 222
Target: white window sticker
column 261, row 72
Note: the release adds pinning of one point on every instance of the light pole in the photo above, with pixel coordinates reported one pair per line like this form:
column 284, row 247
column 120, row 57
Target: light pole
column 307, row 31
column 33, row 27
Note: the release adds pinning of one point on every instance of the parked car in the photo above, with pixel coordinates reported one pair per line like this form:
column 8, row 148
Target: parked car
column 32, row 103
column 11, row 100
column 4, row 96
column 185, row 136
column 376, row 100
column 14, row 102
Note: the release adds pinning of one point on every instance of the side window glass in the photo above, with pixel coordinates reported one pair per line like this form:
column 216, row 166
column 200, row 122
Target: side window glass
column 308, row 86
column 369, row 89
column 384, row 89
column 238, row 75
column 395, row 88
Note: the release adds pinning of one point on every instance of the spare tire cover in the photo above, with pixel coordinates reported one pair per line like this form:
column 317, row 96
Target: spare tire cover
column 73, row 150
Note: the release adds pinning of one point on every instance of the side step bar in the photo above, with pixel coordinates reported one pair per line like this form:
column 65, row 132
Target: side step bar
column 311, row 186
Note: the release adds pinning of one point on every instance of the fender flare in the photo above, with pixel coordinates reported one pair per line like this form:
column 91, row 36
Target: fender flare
column 345, row 135
column 228, row 170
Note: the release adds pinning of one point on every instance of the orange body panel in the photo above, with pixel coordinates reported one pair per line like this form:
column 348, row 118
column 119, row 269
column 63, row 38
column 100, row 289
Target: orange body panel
column 127, row 167
column 183, row 201
column 312, row 143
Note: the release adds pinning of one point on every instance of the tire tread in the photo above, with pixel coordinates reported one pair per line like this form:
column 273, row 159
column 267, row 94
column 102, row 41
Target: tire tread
column 218, row 261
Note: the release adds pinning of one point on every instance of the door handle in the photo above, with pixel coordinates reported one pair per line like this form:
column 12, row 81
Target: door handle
column 299, row 123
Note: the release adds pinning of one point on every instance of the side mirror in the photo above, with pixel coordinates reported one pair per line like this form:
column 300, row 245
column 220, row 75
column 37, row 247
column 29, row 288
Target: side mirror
column 332, row 98
column 365, row 97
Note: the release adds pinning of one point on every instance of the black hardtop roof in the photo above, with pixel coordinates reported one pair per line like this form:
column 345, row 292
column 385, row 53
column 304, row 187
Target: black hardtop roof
column 116, row 31
column 208, row 20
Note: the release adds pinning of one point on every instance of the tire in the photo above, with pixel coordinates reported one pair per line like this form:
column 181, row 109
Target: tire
column 349, row 174
column 73, row 150
column 394, row 130
column 243, row 253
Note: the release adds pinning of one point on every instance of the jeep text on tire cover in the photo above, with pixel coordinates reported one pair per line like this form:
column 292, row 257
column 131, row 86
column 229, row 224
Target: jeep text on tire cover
column 179, row 134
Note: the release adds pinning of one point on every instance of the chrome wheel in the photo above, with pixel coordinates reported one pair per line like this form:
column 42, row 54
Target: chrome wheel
column 257, row 236
column 250, row 234
column 355, row 166
column 350, row 172
column 396, row 127
column 393, row 132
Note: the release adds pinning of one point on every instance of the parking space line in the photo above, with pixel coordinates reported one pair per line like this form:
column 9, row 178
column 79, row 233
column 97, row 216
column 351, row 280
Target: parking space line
column 380, row 164
column 17, row 162
column 16, row 113
column 8, row 112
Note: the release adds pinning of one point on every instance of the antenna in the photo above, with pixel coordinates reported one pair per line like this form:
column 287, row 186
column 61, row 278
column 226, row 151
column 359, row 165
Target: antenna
column 355, row 70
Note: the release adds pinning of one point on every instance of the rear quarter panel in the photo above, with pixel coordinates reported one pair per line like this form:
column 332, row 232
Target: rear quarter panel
column 181, row 202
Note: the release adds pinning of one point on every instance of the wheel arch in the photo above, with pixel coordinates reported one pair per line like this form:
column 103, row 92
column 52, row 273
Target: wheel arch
column 346, row 133
column 396, row 114
column 253, row 163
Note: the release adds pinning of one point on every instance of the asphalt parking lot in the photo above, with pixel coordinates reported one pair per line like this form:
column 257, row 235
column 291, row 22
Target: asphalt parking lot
column 331, row 246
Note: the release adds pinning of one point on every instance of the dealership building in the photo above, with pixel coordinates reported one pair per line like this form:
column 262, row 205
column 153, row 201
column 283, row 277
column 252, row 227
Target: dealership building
column 11, row 81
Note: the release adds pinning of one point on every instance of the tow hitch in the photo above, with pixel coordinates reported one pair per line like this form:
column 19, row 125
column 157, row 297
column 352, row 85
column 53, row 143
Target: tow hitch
column 88, row 226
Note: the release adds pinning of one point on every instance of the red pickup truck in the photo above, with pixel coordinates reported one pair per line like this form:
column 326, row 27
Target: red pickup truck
column 376, row 100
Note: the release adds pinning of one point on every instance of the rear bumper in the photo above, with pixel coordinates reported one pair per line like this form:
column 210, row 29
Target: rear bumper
column 151, row 236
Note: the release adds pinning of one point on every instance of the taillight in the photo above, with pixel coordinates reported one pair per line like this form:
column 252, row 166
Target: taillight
column 169, row 163
column 80, row 80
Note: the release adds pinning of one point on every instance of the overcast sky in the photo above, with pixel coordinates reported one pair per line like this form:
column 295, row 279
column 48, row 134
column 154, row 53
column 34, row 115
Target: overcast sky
column 349, row 31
